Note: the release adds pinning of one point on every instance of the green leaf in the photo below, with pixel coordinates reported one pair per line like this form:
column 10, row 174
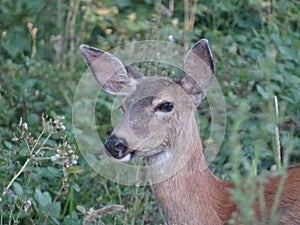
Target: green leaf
column 8, row 144
column 49, row 172
column 71, row 219
column 18, row 189
column 55, row 209
column 262, row 92
column 32, row 118
column 76, row 187
column 123, row 3
column 54, row 171
column 45, row 204
column 43, row 199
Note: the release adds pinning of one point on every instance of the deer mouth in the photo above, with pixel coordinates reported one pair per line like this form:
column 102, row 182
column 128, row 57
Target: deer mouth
column 121, row 157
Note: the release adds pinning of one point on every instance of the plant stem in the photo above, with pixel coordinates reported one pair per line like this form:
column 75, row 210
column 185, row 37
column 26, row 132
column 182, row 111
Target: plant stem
column 14, row 178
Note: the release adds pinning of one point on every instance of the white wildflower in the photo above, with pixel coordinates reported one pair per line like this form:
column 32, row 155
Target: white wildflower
column 25, row 125
column 55, row 157
column 27, row 205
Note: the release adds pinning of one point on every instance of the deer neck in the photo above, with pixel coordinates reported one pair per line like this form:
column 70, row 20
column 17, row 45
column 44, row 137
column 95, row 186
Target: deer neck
column 199, row 194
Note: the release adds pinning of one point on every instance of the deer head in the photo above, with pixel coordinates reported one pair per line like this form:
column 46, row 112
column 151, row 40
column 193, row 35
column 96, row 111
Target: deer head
column 158, row 118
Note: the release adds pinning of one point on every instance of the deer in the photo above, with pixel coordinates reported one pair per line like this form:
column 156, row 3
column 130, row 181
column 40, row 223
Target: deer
column 159, row 124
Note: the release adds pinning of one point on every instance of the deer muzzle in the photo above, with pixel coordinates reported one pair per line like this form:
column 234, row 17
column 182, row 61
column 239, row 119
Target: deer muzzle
column 117, row 148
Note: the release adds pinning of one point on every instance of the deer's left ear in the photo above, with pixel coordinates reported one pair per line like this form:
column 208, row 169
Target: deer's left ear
column 199, row 70
column 109, row 71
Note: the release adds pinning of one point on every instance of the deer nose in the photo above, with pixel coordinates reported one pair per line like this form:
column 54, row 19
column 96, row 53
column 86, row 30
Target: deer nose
column 116, row 146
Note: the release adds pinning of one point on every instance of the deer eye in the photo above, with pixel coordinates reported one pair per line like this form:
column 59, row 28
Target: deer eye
column 165, row 107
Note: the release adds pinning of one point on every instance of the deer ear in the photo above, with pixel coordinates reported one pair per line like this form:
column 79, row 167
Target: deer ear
column 112, row 75
column 199, row 70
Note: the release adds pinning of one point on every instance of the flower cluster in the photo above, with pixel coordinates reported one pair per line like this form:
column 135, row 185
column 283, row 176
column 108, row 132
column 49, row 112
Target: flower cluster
column 56, row 123
column 65, row 155
column 24, row 134
column 41, row 148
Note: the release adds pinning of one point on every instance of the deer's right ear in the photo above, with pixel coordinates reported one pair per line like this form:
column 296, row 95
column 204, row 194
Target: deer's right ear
column 112, row 75
column 199, row 70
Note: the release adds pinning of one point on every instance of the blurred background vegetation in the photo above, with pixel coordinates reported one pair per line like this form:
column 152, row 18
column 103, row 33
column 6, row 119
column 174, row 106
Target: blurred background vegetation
column 44, row 179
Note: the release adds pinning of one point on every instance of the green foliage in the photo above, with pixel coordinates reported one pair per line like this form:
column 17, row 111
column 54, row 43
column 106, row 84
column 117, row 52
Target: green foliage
column 256, row 51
